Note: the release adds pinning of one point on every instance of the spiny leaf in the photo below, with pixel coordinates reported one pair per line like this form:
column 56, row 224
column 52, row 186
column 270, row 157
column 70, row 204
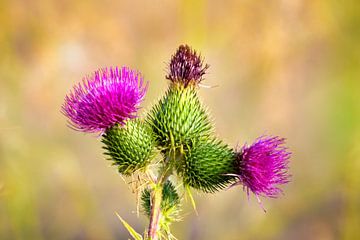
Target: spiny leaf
column 170, row 200
column 192, row 200
column 132, row 232
column 170, row 207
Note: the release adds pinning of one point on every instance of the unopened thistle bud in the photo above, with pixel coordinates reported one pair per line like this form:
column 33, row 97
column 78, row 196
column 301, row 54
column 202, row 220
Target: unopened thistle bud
column 263, row 166
column 186, row 67
column 179, row 118
column 107, row 97
column 130, row 147
column 206, row 165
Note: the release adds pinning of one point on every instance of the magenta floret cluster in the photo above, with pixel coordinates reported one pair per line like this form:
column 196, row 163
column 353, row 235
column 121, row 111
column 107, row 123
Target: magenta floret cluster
column 263, row 166
column 186, row 66
column 110, row 96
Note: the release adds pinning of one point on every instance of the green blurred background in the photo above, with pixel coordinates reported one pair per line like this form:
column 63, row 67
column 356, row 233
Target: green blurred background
column 290, row 68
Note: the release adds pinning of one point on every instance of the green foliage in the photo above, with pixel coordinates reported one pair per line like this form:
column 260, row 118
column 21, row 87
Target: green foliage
column 145, row 202
column 131, row 230
column 206, row 164
column 179, row 118
column 131, row 146
column 169, row 205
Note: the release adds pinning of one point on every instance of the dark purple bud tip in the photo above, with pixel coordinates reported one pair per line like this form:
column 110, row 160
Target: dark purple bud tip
column 186, row 67
column 263, row 166
column 107, row 97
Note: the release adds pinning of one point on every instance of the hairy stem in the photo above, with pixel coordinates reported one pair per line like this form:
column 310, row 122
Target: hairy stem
column 156, row 197
column 155, row 214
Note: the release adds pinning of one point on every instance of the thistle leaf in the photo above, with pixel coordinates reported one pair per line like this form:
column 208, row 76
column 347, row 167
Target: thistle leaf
column 192, row 200
column 169, row 204
column 131, row 231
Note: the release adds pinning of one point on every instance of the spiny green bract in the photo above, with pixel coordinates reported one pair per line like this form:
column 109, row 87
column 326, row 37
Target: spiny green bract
column 131, row 146
column 206, row 165
column 179, row 118
column 169, row 205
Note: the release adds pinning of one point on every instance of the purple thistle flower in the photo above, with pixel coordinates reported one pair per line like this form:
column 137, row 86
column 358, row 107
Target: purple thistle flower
column 186, row 66
column 107, row 97
column 263, row 166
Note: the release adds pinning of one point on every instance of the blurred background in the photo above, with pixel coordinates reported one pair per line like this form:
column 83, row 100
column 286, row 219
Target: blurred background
column 289, row 68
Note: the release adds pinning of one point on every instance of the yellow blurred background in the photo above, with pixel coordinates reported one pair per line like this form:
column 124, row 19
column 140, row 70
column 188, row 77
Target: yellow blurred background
column 289, row 68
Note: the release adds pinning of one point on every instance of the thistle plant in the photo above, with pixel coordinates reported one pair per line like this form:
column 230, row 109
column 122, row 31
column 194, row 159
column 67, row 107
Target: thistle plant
column 173, row 148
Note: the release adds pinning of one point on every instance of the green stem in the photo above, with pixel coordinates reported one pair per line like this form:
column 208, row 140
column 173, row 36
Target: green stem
column 155, row 214
column 156, row 199
column 156, row 194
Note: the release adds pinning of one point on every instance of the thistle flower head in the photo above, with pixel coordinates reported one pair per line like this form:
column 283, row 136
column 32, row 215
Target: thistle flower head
column 263, row 166
column 107, row 97
column 186, row 67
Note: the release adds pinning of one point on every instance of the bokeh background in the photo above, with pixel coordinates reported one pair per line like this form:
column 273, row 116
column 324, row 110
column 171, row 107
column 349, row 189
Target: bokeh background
column 289, row 68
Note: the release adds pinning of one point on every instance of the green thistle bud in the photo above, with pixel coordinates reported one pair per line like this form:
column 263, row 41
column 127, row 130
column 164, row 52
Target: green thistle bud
column 169, row 205
column 130, row 147
column 206, row 165
column 179, row 118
